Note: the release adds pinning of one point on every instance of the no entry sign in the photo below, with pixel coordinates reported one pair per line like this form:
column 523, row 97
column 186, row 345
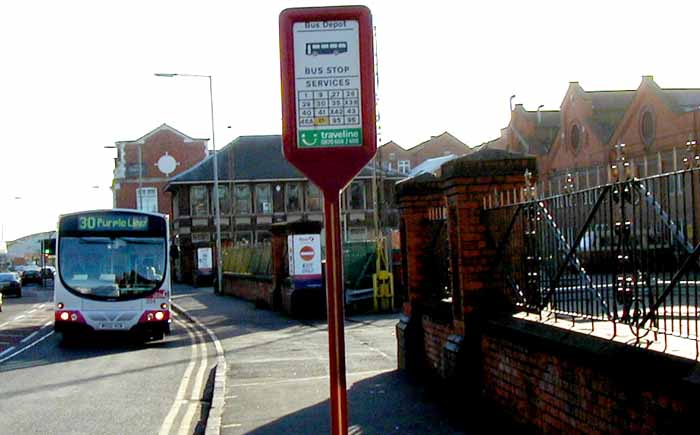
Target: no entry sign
column 329, row 134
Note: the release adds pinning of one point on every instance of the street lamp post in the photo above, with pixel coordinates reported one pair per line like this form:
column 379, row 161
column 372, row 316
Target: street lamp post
column 217, row 219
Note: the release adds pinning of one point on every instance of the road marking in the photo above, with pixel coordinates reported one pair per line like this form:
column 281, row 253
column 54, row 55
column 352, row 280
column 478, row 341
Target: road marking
column 196, row 394
column 25, row 348
column 179, row 397
column 226, row 426
column 29, row 337
column 8, row 350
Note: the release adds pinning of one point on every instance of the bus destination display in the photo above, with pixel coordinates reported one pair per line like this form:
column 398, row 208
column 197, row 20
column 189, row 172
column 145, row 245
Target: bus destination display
column 112, row 223
column 327, row 80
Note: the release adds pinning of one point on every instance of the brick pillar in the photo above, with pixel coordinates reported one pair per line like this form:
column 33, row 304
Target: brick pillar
column 415, row 199
column 476, row 297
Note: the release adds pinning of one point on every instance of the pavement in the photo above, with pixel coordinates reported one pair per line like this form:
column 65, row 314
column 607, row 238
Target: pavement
column 277, row 374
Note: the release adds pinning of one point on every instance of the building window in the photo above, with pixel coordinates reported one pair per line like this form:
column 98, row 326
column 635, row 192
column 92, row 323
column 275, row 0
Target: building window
column 224, row 200
column 357, row 196
column 575, row 137
column 392, row 156
column 201, row 237
column 404, row 166
column 292, row 198
column 263, row 237
column 147, row 199
column 244, row 238
column 242, row 200
column 388, row 166
column 357, row 234
column 647, row 127
column 263, row 198
column 199, row 200
column 183, row 201
column 313, row 197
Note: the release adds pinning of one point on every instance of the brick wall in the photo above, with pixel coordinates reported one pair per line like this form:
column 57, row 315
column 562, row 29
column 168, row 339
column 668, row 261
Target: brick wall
column 254, row 289
column 549, row 379
column 424, row 341
column 553, row 384
column 435, row 337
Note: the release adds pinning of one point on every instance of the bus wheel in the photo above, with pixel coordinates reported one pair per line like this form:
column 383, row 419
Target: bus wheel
column 68, row 338
column 153, row 336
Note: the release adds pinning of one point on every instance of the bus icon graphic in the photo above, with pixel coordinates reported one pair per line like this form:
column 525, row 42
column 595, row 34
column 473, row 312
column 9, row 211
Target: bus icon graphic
column 316, row 48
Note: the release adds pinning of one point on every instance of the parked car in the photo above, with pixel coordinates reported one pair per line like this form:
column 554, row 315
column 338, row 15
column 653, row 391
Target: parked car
column 10, row 283
column 48, row 272
column 31, row 274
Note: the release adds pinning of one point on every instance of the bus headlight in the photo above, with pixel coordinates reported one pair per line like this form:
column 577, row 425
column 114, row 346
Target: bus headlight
column 64, row 316
column 160, row 315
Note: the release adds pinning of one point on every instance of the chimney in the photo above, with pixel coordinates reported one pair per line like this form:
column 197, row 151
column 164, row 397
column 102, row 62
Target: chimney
column 539, row 114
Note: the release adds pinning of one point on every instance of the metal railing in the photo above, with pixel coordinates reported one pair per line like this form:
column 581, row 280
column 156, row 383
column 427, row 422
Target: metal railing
column 626, row 252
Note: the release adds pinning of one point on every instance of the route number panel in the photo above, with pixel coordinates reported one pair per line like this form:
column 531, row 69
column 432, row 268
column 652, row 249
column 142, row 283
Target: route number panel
column 327, row 79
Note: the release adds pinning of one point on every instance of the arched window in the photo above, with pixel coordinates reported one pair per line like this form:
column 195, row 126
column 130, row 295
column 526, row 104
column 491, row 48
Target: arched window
column 575, row 137
column 647, row 127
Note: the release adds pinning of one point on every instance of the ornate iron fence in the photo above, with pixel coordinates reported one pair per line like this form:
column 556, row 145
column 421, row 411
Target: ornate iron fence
column 626, row 252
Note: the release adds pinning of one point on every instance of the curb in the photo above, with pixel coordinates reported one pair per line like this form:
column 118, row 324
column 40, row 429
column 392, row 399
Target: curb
column 216, row 409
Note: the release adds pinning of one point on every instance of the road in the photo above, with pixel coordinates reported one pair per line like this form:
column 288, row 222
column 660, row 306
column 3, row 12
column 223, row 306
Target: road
column 108, row 384
column 276, row 377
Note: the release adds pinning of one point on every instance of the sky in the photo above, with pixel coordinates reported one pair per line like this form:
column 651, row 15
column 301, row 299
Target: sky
column 78, row 76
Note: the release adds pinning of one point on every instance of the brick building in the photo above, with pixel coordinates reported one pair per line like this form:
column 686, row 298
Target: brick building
column 393, row 157
column 144, row 166
column 258, row 187
column 654, row 123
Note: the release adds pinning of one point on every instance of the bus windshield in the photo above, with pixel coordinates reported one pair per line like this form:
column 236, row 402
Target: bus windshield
column 112, row 267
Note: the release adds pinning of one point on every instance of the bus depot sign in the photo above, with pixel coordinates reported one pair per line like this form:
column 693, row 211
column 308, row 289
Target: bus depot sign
column 328, row 101
column 329, row 134
column 327, row 81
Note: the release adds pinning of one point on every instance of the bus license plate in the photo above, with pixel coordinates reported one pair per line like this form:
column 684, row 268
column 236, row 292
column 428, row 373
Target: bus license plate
column 112, row 325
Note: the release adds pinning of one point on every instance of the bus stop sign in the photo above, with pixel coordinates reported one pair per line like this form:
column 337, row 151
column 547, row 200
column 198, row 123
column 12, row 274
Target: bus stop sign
column 328, row 104
column 329, row 134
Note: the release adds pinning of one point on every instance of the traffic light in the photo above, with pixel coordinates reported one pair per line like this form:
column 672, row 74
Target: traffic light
column 48, row 246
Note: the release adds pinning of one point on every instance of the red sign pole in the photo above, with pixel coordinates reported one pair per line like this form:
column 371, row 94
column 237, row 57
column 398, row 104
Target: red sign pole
column 335, row 304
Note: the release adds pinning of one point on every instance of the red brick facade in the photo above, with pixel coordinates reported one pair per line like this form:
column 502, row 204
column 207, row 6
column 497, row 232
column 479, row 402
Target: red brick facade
column 148, row 150
column 580, row 138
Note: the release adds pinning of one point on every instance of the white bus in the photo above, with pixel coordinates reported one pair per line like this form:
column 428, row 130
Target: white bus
column 113, row 273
